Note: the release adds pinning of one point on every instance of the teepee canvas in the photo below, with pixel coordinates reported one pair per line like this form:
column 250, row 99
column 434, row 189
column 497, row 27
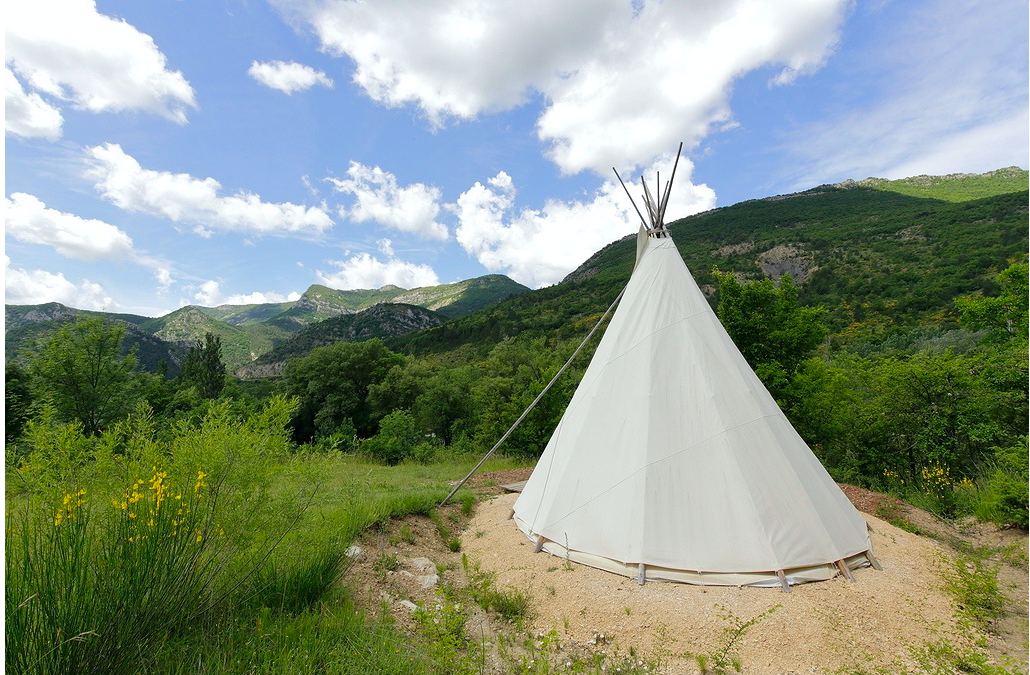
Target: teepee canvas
column 673, row 462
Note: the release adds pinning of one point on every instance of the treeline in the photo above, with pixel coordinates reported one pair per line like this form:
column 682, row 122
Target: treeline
column 936, row 414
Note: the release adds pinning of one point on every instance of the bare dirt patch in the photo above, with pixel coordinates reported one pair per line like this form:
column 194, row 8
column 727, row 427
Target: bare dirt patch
column 817, row 628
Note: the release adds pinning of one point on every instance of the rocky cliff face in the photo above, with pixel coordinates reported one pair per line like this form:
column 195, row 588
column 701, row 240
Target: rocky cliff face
column 378, row 321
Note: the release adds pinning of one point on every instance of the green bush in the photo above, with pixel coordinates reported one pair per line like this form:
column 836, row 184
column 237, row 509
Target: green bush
column 396, row 439
column 1003, row 493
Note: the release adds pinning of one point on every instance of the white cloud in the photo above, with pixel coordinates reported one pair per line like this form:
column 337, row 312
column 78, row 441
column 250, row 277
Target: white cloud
column 164, row 279
column 950, row 98
column 28, row 115
column 209, row 294
column 183, row 198
column 364, row 271
column 25, row 287
column 258, row 298
column 539, row 247
column 385, row 246
column 380, row 199
column 622, row 82
column 289, row 76
column 28, row 219
column 68, row 51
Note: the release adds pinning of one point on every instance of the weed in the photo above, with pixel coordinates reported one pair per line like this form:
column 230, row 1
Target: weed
column 468, row 503
column 387, row 562
column 722, row 659
column 512, row 606
column 406, row 534
column 547, row 654
column 938, row 657
column 973, row 582
column 628, row 610
column 890, row 510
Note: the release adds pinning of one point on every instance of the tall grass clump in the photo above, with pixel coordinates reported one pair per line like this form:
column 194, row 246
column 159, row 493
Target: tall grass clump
column 118, row 542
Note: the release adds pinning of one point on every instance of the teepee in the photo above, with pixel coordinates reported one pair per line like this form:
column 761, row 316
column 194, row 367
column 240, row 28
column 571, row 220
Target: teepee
column 673, row 462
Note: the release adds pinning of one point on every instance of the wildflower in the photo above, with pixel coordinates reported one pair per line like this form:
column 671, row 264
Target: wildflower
column 199, row 537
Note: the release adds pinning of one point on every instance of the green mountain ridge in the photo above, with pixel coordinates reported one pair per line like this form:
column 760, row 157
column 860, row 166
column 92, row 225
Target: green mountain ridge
column 873, row 257
column 382, row 320
column 248, row 331
column 26, row 325
column 875, row 254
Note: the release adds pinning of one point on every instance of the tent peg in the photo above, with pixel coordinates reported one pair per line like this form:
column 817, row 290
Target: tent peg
column 845, row 570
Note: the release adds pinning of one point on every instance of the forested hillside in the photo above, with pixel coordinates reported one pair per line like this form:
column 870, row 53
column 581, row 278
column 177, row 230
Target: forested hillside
column 248, row 331
column 877, row 261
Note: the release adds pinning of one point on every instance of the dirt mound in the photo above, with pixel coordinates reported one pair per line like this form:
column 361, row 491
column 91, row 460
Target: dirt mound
column 825, row 626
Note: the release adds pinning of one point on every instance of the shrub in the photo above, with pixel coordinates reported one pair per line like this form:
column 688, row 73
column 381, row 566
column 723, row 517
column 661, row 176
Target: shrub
column 1003, row 492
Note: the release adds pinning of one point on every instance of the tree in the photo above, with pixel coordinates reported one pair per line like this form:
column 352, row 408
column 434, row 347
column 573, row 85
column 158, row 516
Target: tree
column 17, row 400
column 203, row 367
column 773, row 332
column 1003, row 316
column 81, row 369
column 332, row 384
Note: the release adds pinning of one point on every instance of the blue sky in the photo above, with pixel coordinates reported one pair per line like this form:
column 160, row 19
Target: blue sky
column 168, row 153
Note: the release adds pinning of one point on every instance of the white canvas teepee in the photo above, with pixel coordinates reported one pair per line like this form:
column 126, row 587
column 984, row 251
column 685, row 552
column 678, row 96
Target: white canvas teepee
column 673, row 462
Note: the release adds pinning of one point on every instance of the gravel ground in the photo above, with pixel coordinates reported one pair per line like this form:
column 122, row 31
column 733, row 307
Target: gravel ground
column 818, row 627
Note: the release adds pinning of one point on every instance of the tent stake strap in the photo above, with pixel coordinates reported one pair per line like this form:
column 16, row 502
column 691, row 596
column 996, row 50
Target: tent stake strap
column 536, row 400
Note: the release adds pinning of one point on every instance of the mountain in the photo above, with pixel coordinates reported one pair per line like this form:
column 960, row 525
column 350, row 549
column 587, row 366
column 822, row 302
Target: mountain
column 876, row 254
column 872, row 256
column 954, row 187
column 378, row 321
column 237, row 315
column 248, row 331
column 240, row 344
column 26, row 325
column 457, row 299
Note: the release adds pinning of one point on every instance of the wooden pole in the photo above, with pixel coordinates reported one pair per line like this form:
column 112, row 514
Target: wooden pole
column 642, row 221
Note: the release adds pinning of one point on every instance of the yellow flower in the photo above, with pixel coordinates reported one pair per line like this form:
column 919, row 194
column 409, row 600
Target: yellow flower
column 199, row 537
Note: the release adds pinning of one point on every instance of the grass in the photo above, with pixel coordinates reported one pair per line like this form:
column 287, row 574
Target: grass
column 246, row 580
column 510, row 605
column 973, row 583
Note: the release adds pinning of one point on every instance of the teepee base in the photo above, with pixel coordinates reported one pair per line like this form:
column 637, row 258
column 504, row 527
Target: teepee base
column 642, row 572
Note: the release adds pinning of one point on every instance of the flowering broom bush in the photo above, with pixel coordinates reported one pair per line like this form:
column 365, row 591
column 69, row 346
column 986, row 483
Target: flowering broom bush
column 105, row 560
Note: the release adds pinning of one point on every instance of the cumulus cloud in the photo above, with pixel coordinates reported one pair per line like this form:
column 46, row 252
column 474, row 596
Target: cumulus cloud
column 385, row 246
column 288, row 77
column 951, row 99
column 380, row 199
column 622, row 81
column 209, row 294
column 34, row 287
column 28, row 219
column 70, row 52
column 539, row 247
column 28, row 115
column 164, row 279
column 180, row 197
column 365, row 271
